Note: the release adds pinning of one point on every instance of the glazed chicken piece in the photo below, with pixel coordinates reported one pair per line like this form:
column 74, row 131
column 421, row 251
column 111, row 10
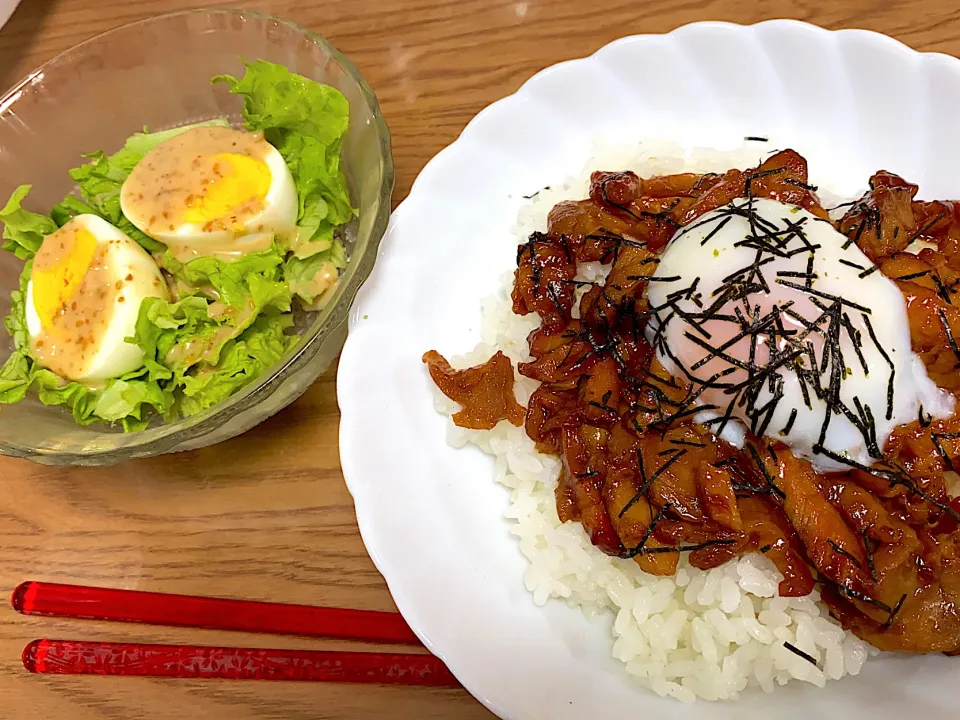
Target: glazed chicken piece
column 484, row 391
column 543, row 282
column 583, row 451
column 829, row 543
column 930, row 288
column 882, row 222
column 770, row 533
column 915, row 605
column 592, row 233
column 782, row 177
column 632, row 517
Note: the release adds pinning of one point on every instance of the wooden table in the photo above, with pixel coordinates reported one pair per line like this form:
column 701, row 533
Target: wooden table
column 267, row 515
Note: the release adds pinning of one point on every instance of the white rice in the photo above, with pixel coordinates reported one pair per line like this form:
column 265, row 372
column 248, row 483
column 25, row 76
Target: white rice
column 708, row 634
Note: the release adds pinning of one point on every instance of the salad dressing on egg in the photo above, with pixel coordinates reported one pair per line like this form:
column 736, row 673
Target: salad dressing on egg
column 75, row 297
column 210, row 177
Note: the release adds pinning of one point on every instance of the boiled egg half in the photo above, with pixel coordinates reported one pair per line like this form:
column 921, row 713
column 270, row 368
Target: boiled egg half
column 784, row 327
column 86, row 285
column 212, row 190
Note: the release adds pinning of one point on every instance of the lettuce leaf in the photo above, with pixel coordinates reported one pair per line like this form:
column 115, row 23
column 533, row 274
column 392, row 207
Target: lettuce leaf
column 162, row 325
column 23, row 231
column 306, row 276
column 66, row 210
column 306, row 121
column 241, row 360
column 15, row 378
column 177, row 337
column 16, row 375
column 125, row 399
column 236, row 282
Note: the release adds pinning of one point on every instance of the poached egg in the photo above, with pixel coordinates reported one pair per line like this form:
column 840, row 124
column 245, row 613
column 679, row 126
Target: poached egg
column 784, row 327
column 212, row 190
column 83, row 297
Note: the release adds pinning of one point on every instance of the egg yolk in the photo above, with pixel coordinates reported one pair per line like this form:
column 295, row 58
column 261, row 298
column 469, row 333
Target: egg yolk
column 238, row 180
column 59, row 269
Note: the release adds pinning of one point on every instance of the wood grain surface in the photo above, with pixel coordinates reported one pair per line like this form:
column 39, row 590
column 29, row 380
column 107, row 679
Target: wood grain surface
column 267, row 515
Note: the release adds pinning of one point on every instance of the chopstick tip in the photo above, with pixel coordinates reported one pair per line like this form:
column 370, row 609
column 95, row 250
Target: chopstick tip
column 19, row 597
column 30, row 655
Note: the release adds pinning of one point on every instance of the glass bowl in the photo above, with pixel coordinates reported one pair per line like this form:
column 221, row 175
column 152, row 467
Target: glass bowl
column 156, row 73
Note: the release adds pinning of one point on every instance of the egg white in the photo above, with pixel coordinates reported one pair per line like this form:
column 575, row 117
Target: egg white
column 112, row 356
column 702, row 251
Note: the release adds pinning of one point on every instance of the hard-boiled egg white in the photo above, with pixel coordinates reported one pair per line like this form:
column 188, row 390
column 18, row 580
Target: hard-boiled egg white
column 210, row 189
column 86, row 285
column 790, row 330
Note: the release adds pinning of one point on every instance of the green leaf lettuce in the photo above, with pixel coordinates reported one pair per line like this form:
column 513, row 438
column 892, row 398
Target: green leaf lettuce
column 306, row 121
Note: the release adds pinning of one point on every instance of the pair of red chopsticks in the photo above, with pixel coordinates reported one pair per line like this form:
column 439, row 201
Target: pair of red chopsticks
column 80, row 657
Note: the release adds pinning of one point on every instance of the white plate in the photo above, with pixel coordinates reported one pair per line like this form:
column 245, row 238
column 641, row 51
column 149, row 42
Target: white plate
column 431, row 516
column 6, row 10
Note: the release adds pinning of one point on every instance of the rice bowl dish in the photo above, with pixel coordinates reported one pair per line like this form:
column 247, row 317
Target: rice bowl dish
column 707, row 634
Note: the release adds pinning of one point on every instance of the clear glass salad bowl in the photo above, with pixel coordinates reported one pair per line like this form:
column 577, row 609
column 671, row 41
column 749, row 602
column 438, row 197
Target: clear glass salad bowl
column 156, row 73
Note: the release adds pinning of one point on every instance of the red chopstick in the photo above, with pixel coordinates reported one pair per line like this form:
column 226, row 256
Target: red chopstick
column 93, row 603
column 77, row 657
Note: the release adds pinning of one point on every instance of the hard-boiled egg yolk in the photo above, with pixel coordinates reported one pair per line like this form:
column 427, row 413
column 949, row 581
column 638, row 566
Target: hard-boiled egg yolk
column 212, row 191
column 86, row 285
column 785, row 328
column 241, row 181
column 59, row 269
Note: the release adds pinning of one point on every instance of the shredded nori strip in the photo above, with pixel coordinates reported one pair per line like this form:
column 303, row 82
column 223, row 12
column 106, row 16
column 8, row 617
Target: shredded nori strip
column 647, row 483
column 753, row 138
column 913, row 276
column 843, row 552
column 688, row 442
column 948, row 463
column 893, row 613
column 868, row 546
column 638, row 548
column 923, row 230
column 682, row 548
column 766, row 475
column 789, row 426
column 885, row 356
column 893, row 475
column 851, row 594
column 851, row 264
column 713, row 232
column 800, row 653
column 798, row 183
column 941, row 289
column 950, row 338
